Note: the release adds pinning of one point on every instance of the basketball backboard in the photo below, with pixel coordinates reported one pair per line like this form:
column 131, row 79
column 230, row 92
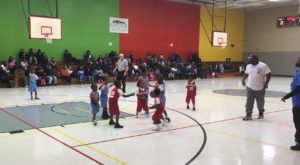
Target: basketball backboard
column 219, row 39
column 43, row 27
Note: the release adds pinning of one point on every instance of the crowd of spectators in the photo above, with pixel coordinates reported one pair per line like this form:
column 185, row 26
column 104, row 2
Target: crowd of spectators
column 91, row 69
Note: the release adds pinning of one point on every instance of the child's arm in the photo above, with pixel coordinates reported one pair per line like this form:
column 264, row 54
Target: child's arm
column 154, row 106
column 127, row 95
column 101, row 86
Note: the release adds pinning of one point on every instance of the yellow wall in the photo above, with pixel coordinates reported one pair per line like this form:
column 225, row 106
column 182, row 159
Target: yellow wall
column 235, row 30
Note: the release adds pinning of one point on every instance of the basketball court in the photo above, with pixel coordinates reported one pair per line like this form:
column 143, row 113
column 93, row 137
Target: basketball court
column 226, row 139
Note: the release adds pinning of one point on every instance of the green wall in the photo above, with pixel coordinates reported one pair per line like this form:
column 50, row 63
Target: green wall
column 85, row 26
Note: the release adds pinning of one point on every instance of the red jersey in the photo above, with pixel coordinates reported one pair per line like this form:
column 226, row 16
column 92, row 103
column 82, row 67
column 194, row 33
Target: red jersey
column 141, row 93
column 158, row 114
column 113, row 101
column 114, row 96
column 191, row 88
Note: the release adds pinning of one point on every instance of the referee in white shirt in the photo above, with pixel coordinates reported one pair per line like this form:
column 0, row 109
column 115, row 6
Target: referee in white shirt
column 122, row 68
column 258, row 76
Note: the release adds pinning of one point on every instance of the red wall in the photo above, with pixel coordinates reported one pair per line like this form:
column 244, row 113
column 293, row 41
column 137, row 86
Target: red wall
column 154, row 24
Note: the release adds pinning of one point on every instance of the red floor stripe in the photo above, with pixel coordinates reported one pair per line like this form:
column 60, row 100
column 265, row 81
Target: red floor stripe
column 52, row 137
column 150, row 133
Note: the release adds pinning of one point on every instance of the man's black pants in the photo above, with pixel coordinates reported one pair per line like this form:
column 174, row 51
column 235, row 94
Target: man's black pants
column 296, row 118
column 122, row 78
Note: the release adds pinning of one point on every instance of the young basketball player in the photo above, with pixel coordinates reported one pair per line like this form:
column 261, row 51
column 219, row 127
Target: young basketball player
column 141, row 94
column 191, row 92
column 145, row 78
column 32, row 84
column 159, row 106
column 94, row 96
column 162, row 87
column 113, row 103
column 104, row 87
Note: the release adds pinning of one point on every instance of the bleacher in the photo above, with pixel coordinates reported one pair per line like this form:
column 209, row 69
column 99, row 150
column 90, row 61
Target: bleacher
column 227, row 73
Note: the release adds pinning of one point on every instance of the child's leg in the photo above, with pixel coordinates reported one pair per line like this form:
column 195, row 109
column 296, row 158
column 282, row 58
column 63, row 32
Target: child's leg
column 105, row 114
column 117, row 119
column 139, row 107
column 117, row 125
column 35, row 93
column 193, row 101
column 111, row 121
column 187, row 100
column 94, row 117
column 146, row 108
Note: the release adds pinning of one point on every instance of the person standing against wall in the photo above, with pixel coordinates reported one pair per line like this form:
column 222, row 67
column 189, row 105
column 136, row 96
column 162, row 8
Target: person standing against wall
column 295, row 94
column 258, row 76
column 122, row 69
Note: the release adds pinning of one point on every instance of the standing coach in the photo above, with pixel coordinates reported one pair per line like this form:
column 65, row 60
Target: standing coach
column 258, row 76
column 122, row 69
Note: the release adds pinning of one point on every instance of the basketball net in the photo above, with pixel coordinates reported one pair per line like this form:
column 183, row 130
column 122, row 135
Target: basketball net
column 222, row 45
column 48, row 39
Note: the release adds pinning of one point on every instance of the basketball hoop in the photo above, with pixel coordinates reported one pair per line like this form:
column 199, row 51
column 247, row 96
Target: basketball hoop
column 48, row 38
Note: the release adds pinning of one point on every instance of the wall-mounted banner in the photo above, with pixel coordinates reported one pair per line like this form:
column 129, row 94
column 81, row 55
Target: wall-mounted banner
column 118, row 25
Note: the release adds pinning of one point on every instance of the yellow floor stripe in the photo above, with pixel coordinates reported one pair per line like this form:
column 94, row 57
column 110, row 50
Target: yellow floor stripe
column 64, row 111
column 91, row 147
column 245, row 138
column 82, row 110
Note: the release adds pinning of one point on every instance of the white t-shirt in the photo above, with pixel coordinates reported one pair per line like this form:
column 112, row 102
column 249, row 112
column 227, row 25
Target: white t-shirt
column 257, row 75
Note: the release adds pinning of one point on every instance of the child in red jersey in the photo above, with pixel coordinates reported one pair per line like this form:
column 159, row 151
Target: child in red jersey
column 159, row 106
column 141, row 94
column 191, row 92
column 113, row 104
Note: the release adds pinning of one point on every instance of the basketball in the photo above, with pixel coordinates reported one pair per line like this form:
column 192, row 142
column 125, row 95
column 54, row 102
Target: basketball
column 152, row 94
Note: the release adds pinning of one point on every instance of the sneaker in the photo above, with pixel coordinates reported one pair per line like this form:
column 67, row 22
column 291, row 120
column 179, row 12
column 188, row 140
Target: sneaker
column 194, row 109
column 296, row 147
column 168, row 119
column 261, row 116
column 247, row 117
column 105, row 116
column 95, row 123
column 157, row 128
column 187, row 107
column 164, row 122
column 37, row 98
column 111, row 122
column 147, row 114
column 118, row 125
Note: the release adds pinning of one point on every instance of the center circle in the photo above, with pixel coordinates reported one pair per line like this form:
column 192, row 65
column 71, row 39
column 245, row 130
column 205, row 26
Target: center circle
column 243, row 93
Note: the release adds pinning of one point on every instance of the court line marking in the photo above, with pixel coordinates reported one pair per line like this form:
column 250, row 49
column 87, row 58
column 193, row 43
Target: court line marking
column 64, row 111
column 132, row 136
column 51, row 137
column 90, row 147
column 241, row 98
column 174, row 129
column 245, row 138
